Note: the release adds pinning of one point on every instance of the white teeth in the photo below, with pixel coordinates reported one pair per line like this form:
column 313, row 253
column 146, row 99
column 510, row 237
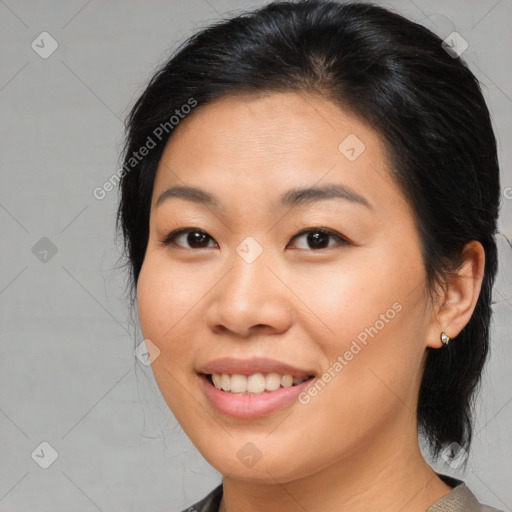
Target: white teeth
column 217, row 380
column 238, row 383
column 273, row 381
column 254, row 384
column 225, row 382
column 286, row 381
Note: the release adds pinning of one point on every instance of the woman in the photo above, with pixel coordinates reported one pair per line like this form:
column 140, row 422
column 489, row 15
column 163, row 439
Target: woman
column 309, row 202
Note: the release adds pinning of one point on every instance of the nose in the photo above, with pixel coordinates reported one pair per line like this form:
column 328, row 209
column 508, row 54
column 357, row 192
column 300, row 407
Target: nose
column 251, row 297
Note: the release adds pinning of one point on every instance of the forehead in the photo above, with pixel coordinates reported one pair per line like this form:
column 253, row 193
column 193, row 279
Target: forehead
column 245, row 146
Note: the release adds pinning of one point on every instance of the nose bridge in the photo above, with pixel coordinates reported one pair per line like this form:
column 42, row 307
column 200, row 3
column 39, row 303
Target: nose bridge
column 249, row 275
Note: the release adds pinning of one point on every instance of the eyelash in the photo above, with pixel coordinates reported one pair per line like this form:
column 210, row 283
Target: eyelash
column 168, row 240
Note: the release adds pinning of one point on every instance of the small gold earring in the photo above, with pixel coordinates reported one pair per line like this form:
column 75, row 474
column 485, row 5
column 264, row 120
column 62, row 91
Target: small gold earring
column 445, row 338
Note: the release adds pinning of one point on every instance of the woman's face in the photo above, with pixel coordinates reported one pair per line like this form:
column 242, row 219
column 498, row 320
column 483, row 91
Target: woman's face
column 243, row 293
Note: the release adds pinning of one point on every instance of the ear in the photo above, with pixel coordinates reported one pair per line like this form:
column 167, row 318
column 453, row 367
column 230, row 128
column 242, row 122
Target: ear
column 456, row 302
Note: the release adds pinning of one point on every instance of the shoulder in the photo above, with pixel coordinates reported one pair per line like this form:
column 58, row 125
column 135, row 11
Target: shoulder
column 209, row 503
column 459, row 499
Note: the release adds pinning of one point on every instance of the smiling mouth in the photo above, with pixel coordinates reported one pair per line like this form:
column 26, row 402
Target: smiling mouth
column 253, row 384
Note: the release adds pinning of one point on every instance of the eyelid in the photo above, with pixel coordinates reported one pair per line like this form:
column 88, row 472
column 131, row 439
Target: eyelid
column 340, row 239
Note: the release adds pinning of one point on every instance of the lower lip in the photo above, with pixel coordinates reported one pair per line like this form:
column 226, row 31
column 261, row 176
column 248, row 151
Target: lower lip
column 251, row 406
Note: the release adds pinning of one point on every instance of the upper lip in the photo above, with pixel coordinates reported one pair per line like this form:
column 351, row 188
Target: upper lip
column 250, row 366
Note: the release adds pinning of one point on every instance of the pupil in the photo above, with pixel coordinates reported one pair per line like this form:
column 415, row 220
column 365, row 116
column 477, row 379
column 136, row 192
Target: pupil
column 316, row 240
column 196, row 238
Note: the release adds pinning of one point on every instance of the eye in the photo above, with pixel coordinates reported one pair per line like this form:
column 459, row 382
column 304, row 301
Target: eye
column 195, row 237
column 319, row 237
column 198, row 239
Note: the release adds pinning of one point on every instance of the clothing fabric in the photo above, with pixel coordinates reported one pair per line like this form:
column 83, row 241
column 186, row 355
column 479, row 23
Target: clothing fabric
column 459, row 499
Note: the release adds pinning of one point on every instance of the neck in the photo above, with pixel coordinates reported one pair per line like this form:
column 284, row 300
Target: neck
column 389, row 475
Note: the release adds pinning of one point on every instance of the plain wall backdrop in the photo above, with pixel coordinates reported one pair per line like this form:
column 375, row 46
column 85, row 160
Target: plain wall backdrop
column 70, row 71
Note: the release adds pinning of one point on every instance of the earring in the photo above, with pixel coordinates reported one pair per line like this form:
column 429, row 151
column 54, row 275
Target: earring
column 445, row 338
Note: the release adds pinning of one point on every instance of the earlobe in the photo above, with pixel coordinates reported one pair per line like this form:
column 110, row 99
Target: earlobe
column 456, row 304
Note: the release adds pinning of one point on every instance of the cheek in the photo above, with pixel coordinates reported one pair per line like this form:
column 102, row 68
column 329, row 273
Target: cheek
column 376, row 324
column 165, row 302
column 352, row 302
column 164, row 299
column 164, row 295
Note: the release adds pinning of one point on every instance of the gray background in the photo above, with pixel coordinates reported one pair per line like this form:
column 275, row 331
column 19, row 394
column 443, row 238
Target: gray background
column 69, row 376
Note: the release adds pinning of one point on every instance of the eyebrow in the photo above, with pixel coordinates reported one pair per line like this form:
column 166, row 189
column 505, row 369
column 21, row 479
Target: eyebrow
column 292, row 198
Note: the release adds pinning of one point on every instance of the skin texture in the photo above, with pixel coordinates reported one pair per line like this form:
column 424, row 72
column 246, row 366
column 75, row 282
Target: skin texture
column 354, row 447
